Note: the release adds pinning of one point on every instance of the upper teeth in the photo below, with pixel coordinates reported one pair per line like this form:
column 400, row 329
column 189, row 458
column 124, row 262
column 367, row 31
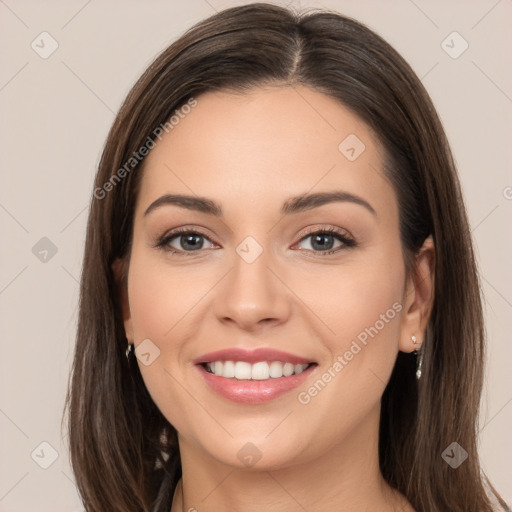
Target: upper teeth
column 257, row 371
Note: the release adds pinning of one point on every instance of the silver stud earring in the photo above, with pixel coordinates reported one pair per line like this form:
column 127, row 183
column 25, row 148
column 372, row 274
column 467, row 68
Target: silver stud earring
column 414, row 339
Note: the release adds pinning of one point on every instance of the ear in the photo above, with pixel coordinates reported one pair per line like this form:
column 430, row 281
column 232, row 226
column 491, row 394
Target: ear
column 120, row 269
column 418, row 298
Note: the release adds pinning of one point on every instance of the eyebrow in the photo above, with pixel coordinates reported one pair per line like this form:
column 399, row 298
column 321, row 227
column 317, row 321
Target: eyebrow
column 293, row 205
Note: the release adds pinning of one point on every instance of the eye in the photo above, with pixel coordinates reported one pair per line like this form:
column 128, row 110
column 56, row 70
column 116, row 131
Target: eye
column 187, row 241
column 183, row 241
column 323, row 241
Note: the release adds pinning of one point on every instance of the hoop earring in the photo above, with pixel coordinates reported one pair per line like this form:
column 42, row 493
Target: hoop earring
column 129, row 350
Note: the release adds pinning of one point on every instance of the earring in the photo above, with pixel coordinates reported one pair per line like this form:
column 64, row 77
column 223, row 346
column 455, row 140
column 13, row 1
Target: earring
column 419, row 357
column 129, row 350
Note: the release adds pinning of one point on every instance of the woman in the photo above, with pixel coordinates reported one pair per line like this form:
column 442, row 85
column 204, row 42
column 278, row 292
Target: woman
column 279, row 303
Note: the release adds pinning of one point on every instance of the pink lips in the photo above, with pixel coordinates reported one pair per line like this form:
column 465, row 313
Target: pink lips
column 253, row 391
column 251, row 356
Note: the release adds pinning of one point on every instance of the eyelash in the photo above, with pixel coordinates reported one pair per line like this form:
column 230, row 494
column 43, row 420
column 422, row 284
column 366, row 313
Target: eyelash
column 347, row 242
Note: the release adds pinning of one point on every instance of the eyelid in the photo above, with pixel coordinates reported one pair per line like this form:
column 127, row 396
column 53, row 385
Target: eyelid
column 329, row 229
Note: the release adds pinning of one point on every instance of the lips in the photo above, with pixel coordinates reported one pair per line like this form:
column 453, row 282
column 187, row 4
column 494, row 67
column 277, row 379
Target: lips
column 254, row 376
column 251, row 356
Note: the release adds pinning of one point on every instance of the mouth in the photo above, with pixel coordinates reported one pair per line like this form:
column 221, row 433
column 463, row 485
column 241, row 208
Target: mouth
column 253, row 377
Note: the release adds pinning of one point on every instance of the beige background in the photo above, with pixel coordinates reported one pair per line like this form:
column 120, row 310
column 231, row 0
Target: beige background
column 56, row 113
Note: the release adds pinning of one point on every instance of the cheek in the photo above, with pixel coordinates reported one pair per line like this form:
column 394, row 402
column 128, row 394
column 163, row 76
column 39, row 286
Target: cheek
column 357, row 300
column 160, row 299
column 168, row 302
column 361, row 304
column 372, row 302
column 161, row 296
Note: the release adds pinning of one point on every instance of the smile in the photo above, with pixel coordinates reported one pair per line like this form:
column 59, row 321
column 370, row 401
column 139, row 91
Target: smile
column 253, row 376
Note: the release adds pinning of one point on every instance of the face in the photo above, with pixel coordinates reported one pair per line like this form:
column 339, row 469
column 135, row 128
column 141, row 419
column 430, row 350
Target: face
column 254, row 271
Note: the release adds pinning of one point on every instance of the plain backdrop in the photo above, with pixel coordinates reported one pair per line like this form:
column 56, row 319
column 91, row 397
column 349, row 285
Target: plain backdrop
column 56, row 110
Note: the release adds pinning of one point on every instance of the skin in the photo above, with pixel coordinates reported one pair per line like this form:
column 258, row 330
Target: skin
column 250, row 153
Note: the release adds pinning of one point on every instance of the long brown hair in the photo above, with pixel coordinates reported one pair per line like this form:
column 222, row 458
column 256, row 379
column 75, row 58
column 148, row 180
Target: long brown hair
column 124, row 452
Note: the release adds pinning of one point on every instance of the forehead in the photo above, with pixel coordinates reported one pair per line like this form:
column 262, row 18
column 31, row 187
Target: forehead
column 259, row 148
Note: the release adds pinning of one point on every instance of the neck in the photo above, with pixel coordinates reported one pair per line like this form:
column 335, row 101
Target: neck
column 346, row 477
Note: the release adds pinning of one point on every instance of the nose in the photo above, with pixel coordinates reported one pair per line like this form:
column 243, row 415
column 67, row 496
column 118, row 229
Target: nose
column 253, row 295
